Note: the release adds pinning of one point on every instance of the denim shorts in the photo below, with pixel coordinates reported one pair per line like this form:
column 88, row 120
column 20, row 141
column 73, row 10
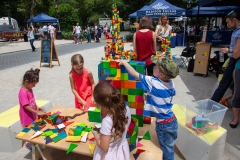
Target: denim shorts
column 167, row 133
column 78, row 35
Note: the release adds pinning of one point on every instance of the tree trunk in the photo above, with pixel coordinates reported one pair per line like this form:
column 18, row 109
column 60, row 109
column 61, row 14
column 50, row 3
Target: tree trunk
column 32, row 8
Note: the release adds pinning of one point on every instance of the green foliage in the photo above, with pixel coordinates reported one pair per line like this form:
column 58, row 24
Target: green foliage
column 67, row 35
column 129, row 37
column 67, row 16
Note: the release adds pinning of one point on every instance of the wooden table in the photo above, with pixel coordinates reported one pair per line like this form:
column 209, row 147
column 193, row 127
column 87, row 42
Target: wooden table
column 152, row 149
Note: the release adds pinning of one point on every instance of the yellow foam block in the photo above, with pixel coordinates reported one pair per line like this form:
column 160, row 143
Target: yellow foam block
column 11, row 115
column 92, row 147
column 73, row 138
column 20, row 134
column 54, row 135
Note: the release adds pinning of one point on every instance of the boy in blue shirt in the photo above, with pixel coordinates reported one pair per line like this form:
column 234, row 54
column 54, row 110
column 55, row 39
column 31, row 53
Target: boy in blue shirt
column 160, row 91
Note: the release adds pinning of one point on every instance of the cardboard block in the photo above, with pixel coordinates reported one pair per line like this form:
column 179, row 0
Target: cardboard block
column 117, row 83
column 83, row 125
column 54, row 135
column 84, row 137
column 20, row 134
column 94, row 115
column 133, row 138
column 147, row 120
column 124, row 76
column 139, row 85
column 26, row 130
column 139, row 91
column 139, row 112
column 139, row 99
column 131, row 84
column 106, row 72
column 131, row 98
column 132, row 105
column 124, row 91
column 48, row 133
column 130, row 77
column 132, row 91
column 140, row 69
column 125, row 97
column 36, row 134
column 139, row 105
column 88, row 129
column 113, row 64
column 106, row 64
column 113, row 72
column 123, row 69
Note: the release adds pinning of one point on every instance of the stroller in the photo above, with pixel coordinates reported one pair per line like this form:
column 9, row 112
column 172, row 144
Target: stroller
column 215, row 64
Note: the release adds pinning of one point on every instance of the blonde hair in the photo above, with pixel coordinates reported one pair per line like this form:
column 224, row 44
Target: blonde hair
column 160, row 23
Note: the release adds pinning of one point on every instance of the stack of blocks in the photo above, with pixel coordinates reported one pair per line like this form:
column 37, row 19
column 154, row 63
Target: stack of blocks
column 129, row 86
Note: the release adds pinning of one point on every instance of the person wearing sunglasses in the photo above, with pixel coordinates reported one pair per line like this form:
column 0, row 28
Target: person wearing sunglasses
column 162, row 30
column 233, row 21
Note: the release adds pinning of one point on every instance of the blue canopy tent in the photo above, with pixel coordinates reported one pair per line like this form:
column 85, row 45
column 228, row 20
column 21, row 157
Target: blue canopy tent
column 134, row 15
column 218, row 3
column 43, row 18
column 211, row 11
column 161, row 7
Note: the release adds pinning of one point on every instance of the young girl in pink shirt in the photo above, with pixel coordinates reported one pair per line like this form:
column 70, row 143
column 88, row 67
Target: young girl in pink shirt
column 28, row 110
column 111, row 139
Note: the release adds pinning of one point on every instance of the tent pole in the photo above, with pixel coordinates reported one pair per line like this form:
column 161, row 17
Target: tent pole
column 195, row 39
column 184, row 31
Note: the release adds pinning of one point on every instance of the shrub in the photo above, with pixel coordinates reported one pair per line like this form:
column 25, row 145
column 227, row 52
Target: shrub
column 129, row 37
column 67, row 35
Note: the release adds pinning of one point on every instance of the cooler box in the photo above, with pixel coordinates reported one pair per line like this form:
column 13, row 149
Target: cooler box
column 204, row 116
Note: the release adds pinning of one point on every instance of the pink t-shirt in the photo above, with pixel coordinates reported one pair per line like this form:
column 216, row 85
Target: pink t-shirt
column 26, row 98
column 118, row 149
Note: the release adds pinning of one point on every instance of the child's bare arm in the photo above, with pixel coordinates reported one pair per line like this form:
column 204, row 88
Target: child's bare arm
column 75, row 92
column 37, row 112
column 129, row 68
column 102, row 141
column 90, row 75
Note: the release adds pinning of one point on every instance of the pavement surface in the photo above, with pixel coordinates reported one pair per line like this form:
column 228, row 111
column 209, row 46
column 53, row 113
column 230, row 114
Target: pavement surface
column 16, row 58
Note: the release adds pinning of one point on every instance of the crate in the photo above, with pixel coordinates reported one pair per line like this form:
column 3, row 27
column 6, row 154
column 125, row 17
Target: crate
column 204, row 116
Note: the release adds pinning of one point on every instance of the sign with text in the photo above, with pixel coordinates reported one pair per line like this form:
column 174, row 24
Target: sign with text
column 48, row 52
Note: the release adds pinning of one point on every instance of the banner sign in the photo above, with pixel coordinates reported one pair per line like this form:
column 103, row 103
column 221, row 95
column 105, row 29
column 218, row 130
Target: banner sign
column 218, row 37
column 12, row 35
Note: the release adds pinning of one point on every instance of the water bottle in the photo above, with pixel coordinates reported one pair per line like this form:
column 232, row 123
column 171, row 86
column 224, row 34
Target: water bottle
column 221, row 57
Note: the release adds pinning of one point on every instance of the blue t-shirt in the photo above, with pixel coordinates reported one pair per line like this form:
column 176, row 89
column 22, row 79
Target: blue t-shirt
column 99, row 29
column 159, row 97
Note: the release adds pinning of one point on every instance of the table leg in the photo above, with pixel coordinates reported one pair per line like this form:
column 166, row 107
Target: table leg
column 38, row 152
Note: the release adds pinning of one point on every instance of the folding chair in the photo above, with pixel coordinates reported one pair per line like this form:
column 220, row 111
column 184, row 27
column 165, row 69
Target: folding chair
column 186, row 55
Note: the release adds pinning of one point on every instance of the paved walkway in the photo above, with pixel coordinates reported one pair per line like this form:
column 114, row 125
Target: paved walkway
column 54, row 86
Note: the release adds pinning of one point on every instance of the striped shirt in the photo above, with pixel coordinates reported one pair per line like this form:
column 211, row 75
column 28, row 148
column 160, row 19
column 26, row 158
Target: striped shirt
column 159, row 97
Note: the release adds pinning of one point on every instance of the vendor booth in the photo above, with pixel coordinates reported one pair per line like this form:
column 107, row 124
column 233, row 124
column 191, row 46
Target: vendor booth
column 43, row 18
column 161, row 7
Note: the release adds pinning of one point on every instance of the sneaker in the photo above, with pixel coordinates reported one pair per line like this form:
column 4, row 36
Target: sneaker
column 28, row 146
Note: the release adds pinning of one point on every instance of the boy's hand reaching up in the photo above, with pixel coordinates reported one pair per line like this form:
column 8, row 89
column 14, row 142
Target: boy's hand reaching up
column 121, row 61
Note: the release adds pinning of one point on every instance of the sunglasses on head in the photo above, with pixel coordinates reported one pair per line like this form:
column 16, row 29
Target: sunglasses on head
column 230, row 13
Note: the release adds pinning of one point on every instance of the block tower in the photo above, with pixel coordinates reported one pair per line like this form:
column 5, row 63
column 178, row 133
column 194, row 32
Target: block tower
column 166, row 48
column 129, row 87
column 115, row 45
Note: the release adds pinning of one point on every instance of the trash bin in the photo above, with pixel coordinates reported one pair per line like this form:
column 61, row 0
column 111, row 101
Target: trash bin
column 59, row 35
column 173, row 41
